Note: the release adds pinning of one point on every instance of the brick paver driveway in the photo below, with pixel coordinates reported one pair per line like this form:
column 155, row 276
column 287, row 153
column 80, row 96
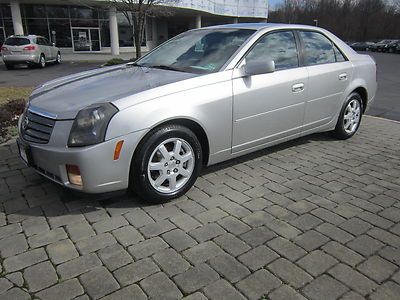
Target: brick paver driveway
column 315, row 218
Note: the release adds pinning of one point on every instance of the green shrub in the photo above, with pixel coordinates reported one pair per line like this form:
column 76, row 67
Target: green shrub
column 114, row 61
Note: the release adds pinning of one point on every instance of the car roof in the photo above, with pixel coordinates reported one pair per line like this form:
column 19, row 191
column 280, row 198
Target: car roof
column 29, row 36
column 260, row 26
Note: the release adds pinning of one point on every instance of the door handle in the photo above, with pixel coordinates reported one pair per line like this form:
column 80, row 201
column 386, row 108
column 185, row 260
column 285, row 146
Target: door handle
column 297, row 88
column 343, row 76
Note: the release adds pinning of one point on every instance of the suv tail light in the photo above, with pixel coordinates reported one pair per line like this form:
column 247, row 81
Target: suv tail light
column 3, row 48
column 30, row 47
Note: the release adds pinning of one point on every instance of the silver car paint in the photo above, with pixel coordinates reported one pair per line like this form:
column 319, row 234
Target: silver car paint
column 17, row 54
column 101, row 85
column 235, row 118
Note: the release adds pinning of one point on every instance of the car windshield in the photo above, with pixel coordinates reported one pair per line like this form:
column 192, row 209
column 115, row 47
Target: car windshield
column 200, row 51
column 14, row 41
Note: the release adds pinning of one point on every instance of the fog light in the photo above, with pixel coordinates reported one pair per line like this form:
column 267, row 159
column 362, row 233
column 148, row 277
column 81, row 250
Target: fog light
column 117, row 150
column 74, row 174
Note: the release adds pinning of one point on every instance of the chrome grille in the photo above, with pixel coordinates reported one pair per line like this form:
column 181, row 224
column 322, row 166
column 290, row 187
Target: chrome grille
column 36, row 128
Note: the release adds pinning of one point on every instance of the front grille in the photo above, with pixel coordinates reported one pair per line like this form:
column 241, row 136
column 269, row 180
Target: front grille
column 36, row 128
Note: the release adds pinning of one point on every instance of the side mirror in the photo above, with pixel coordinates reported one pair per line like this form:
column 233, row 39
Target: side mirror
column 259, row 67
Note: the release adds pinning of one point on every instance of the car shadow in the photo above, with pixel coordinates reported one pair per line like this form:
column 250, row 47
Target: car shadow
column 77, row 202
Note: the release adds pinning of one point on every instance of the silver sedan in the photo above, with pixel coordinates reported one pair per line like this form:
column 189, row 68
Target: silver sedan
column 203, row 97
column 33, row 50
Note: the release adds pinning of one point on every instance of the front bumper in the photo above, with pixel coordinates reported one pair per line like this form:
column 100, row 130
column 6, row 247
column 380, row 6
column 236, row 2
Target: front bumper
column 100, row 172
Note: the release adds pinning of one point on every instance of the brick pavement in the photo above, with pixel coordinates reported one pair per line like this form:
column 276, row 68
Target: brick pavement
column 315, row 218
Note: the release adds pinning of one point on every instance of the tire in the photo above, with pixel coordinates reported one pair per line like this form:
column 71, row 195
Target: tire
column 157, row 185
column 350, row 117
column 9, row 66
column 58, row 58
column 42, row 62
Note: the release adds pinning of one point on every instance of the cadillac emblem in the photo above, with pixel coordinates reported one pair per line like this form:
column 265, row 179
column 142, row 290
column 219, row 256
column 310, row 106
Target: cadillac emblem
column 25, row 123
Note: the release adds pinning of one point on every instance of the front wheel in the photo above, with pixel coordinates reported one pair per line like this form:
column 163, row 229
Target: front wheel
column 166, row 164
column 58, row 58
column 350, row 117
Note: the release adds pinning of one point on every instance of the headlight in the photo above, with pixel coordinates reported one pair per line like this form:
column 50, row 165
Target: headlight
column 90, row 125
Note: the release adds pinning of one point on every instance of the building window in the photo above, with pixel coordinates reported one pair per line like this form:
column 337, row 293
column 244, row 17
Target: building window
column 5, row 11
column 37, row 26
column 60, row 32
column 105, row 33
column 57, row 11
column 149, row 29
column 78, row 12
column 125, row 29
column 33, row 11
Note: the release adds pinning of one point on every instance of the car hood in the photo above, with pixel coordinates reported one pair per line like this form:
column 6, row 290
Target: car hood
column 62, row 98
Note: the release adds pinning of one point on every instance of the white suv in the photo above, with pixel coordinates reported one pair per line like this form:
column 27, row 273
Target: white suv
column 32, row 50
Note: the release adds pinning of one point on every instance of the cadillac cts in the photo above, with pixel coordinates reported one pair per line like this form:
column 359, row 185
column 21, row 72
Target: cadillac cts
column 203, row 97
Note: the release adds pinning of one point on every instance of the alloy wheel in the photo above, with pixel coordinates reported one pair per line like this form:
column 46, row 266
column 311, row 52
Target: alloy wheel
column 352, row 116
column 171, row 165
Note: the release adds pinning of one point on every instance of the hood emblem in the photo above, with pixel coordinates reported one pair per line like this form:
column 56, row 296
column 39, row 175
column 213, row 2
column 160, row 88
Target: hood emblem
column 25, row 123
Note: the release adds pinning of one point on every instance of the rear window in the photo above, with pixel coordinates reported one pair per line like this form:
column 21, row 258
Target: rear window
column 17, row 41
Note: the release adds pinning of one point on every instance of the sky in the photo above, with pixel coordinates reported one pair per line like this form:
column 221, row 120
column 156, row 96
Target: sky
column 272, row 3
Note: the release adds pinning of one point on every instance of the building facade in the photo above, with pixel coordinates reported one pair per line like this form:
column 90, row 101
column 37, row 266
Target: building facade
column 96, row 26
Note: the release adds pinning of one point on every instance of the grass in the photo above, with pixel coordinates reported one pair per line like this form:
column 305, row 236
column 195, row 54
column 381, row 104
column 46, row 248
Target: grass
column 12, row 100
column 8, row 94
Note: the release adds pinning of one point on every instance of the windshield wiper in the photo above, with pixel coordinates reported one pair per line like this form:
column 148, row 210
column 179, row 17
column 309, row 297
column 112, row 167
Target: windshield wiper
column 165, row 67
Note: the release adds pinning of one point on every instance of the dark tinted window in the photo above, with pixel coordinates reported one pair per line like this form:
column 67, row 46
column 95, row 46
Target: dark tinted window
column 317, row 48
column 339, row 55
column 278, row 46
column 14, row 41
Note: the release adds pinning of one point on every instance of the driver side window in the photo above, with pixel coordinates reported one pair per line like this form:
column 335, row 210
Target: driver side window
column 278, row 46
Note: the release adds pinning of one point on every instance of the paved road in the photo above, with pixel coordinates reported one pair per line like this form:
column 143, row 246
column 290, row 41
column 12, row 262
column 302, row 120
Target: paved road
column 311, row 219
column 23, row 76
column 387, row 103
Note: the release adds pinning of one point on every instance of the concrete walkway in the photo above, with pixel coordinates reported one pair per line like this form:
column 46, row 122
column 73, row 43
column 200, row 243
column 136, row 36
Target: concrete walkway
column 314, row 218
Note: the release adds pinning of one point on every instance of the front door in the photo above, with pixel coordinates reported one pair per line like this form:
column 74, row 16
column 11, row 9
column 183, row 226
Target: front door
column 86, row 39
column 269, row 107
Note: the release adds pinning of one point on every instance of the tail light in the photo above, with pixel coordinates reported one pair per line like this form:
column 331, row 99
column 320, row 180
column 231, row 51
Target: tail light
column 30, row 48
column 4, row 48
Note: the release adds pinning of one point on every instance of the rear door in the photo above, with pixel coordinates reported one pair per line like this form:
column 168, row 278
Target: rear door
column 329, row 74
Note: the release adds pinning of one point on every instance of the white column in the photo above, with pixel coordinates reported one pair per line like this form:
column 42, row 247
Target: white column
column 198, row 21
column 235, row 20
column 114, row 39
column 16, row 18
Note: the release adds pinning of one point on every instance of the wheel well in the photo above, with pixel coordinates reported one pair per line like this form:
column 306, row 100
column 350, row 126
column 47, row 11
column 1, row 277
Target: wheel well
column 364, row 96
column 197, row 130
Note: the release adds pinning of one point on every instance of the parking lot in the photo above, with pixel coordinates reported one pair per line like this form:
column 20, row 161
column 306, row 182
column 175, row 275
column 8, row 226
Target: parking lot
column 314, row 218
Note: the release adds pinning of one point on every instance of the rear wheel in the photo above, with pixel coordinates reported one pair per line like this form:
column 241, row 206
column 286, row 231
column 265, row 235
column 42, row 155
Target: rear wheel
column 350, row 117
column 42, row 61
column 9, row 66
column 166, row 164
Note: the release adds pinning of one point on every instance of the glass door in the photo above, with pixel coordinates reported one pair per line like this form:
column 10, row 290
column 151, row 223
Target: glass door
column 95, row 39
column 86, row 39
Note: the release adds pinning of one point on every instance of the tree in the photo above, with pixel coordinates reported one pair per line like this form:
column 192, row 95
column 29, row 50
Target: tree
column 352, row 20
column 139, row 10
